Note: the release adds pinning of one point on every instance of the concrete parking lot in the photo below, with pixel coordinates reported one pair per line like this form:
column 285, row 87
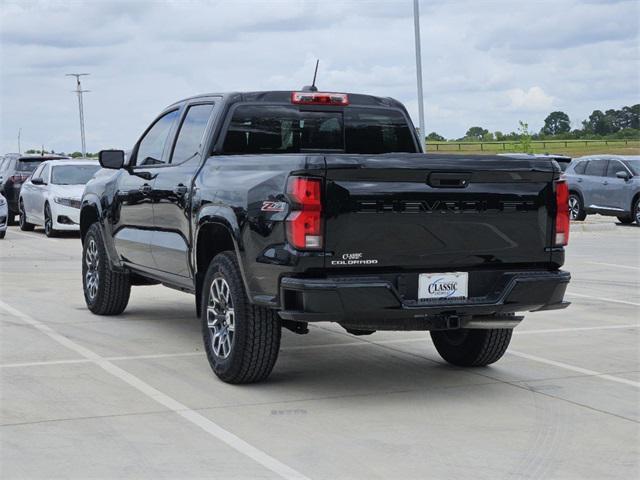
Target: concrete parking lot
column 133, row 396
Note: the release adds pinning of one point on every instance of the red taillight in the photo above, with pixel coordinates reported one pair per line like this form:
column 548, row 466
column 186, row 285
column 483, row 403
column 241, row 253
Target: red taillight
column 318, row 98
column 562, row 213
column 304, row 223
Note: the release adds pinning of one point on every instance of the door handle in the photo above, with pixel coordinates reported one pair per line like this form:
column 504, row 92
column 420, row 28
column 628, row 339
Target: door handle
column 145, row 189
column 180, row 189
column 605, row 183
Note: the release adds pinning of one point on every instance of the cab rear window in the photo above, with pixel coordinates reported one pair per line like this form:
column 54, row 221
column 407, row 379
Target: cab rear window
column 288, row 129
column 27, row 165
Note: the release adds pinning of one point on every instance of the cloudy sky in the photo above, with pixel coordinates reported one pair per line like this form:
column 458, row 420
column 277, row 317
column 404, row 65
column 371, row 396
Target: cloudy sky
column 488, row 63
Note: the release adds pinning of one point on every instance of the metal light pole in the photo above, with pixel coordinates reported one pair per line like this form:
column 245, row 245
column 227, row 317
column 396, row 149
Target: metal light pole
column 19, row 133
column 79, row 91
column 416, row 25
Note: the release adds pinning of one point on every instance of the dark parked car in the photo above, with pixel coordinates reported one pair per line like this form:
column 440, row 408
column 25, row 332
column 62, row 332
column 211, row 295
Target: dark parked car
column 15, row 171
column 277, row 209
column 605, row 184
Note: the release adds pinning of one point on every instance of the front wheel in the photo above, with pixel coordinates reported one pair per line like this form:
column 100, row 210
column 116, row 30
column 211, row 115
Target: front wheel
column 470, row 347
column 576, row 209
column 241, row 340
column 48, row 222
column 2, row 234
column 106, row 292
column 636, row 211
column 24, row 225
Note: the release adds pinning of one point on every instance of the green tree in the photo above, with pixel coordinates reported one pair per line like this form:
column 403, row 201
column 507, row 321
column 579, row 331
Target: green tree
column 525, row 137
column 76, row 155
column 597, row 123
column 556, row 123
column 499, row 136
column 435, row 137
column 476, row 133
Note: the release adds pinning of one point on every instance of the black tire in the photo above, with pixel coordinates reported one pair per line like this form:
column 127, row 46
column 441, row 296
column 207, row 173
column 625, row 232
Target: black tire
column 110, row 293
column 22, row 220
column 48, row 222
column 636, row 211
column 11, row 218
column 576, row 207
column 470, row 347
column 2, row 234
column 251, row 333
column 626, row 220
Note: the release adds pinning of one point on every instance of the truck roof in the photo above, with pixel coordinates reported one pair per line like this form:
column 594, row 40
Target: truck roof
column 284, row 96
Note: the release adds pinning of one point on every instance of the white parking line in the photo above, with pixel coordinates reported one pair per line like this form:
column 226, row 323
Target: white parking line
column 195, row 418
column 31, row 235
column 305, row 347
column 614, row 265
column 574, row 329
column 603, row 299
column 573, row 368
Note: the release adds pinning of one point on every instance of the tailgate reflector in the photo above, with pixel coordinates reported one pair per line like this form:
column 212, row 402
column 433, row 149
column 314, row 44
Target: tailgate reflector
column 562, row 213
column 304, row 223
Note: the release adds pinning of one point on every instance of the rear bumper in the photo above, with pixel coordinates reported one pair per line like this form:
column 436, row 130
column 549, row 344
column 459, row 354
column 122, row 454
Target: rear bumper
column 376, row 302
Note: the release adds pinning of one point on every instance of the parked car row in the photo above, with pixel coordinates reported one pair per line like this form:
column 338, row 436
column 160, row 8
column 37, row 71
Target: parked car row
column 43, row 191
column 605, row 184
column 46, row 190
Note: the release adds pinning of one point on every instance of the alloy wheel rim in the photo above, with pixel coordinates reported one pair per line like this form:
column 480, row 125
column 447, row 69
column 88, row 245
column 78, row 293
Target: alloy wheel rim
column 92, row 276
column 574, row 207
column 221, row 318
column 47, row 221
column 638, row 213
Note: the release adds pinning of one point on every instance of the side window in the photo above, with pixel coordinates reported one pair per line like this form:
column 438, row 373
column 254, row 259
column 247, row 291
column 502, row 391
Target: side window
column 38, row 172
column 152, row 145
column 614, row 167
column 596, row 168
column 191, row 132
column 579, row 168
column 45, row 173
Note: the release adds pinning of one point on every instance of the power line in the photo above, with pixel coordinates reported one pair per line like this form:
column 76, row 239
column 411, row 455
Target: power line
column 79, row 92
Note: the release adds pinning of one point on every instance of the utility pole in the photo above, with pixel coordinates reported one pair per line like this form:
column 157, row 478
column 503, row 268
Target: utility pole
column 416, row 25
column 19, row 132
column 79, row 91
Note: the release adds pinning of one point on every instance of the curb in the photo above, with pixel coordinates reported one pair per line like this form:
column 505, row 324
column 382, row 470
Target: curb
column 593, row 227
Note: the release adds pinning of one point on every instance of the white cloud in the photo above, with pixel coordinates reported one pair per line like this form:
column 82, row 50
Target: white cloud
column 485, row 63
column 532, row 100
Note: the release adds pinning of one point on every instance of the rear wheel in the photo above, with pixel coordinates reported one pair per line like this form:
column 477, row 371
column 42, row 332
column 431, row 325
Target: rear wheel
column 636, row 210
column 2, row 234
column 242, row 340
column 470, row 347
column 626, row 220
column 576, row 209
column 48, row 222
column 106, row 292
column 24, row 225
column 11, row 218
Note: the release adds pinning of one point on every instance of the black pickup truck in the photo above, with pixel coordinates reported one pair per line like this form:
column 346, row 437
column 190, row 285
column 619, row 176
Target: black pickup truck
column 277, row 209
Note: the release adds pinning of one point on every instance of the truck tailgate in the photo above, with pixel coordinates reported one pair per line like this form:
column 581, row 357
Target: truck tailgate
column 435, row 212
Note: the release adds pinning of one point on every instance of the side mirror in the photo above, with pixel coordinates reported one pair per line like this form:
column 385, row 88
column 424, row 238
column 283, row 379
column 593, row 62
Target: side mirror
column 37, row 181
column 623, row 175
column 113, row 159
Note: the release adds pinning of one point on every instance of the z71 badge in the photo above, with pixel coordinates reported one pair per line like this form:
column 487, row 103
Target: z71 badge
column 270, row 206
column 353, row 259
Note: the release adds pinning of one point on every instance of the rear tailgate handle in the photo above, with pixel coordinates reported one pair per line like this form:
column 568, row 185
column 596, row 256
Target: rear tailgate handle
column 448, row 179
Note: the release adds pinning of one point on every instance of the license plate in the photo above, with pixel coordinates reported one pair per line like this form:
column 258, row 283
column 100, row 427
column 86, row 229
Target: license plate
column 443, row 285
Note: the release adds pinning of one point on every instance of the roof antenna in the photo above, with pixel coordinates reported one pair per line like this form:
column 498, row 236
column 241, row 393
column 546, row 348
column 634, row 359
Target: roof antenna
column 313, row 87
